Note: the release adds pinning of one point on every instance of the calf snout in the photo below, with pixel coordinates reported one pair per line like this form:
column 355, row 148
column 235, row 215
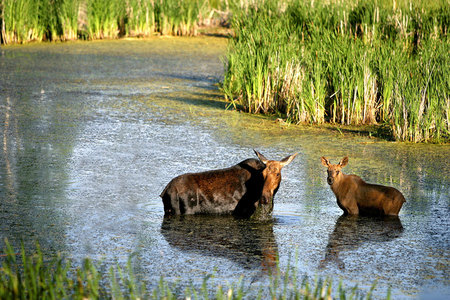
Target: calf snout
column 330, row 180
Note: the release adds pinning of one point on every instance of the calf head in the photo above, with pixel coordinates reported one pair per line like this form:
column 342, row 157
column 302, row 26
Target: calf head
column 334, row 171
column 272, row 175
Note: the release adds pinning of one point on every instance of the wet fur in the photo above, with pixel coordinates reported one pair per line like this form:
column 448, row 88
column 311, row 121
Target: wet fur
column 240, row 189
column 217, row 191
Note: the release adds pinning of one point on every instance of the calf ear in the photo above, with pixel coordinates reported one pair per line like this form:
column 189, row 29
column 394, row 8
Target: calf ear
column 344, row 162
column 325, row 161
column 287, row 160
column 261, row 157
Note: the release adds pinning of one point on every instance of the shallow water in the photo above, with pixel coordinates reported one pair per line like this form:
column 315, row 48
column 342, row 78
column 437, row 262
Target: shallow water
column 93, row 131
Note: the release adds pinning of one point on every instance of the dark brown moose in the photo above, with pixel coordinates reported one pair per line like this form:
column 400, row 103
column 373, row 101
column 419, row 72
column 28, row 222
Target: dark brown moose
column 355, row 196
column 241, row 189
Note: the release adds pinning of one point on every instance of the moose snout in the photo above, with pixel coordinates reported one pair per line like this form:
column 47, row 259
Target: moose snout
column 264, row 200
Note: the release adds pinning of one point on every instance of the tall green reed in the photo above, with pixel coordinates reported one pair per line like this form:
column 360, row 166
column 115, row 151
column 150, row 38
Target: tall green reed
column 366, row 62
column 28, row 20
column 20, row 21
column 140, row 18
column 67, row 13
column 419, row 99
column 104, row 18
column 176, row 17
column 373, row 62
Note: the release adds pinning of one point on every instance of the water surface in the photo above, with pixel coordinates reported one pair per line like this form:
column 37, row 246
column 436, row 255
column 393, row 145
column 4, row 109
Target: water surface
column 93, row 131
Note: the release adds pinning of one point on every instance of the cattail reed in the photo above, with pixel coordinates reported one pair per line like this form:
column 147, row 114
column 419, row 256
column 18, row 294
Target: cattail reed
column 373, row 62
column 38, row 20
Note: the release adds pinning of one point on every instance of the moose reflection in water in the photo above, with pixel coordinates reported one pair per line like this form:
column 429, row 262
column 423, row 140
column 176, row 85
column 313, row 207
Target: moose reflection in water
column 352, row 231
column 249, row 243
column 246, row 189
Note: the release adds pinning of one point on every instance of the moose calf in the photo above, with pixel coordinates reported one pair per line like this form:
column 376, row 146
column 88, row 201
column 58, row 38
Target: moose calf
column 355, row 196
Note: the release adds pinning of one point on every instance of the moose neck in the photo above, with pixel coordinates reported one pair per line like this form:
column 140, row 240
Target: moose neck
column 337, row 186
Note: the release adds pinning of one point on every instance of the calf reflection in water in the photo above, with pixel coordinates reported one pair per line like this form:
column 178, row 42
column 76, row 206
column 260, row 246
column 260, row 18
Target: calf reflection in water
column 249, row 243
column 352, row 231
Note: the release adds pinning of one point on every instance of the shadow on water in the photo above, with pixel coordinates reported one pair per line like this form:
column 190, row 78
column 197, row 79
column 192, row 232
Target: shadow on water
column 351, row 232
column 249, row 243
column 198, row 79
column 208, row 100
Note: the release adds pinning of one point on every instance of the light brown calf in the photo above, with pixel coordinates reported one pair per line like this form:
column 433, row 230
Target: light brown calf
column 355, row 196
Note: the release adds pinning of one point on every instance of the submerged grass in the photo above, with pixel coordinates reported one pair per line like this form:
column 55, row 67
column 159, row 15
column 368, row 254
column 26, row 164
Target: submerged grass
column 32, row 276
column 373, row 62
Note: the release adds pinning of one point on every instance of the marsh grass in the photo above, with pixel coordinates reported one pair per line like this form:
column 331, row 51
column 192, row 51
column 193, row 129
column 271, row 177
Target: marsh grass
column 32, row 276
column 103, row 18
column 372, row 62
column 25, row 20
column 176, row 17
column 375, row 62
column 38, row 20
column 141, row 18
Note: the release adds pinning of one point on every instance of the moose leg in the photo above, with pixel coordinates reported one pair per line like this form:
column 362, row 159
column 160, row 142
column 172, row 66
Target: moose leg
column 168, row 207
column 348, row 206
column 392, row 207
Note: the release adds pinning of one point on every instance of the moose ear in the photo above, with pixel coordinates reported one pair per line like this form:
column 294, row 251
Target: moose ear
column 325, row 161
column 344, row 162
column 261, row 157
column 287, row 160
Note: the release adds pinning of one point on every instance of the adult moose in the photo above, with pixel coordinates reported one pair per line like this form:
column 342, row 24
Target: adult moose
column 243, row 189
column 355, row 196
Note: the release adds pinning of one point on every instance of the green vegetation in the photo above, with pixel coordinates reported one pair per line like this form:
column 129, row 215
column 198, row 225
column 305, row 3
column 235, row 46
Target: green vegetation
column 375, row 62
column 32, row 276
column 50, row 20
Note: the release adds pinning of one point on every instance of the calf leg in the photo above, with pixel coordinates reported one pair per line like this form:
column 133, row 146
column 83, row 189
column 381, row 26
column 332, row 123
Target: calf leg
column 352, row 209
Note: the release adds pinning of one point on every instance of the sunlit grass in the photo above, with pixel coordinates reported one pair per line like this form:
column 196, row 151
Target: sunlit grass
column 38, row 20
column 373, row 62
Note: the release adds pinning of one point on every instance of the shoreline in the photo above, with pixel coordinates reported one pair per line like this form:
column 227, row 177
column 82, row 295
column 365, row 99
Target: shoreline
column 377, row 132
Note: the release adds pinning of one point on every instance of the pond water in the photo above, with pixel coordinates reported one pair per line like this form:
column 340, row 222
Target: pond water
column 93, row 131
